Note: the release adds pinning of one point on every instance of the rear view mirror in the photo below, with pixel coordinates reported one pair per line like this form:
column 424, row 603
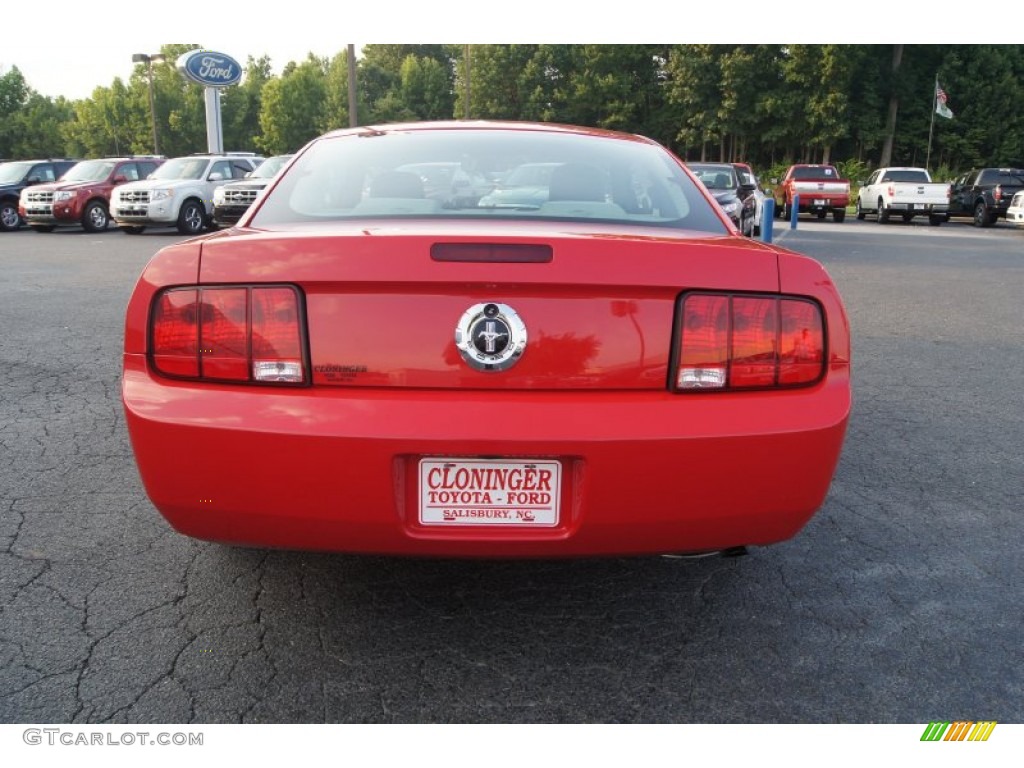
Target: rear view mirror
column 215, row 176
column 120, row 179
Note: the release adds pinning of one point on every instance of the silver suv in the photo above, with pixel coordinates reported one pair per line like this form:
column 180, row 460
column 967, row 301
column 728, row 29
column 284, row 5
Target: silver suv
column 179, row 194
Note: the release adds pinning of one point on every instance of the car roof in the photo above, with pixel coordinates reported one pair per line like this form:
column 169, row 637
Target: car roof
column 485, row 125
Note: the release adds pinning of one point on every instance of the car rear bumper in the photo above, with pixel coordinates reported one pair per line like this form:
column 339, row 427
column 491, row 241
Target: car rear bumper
column 920, row 207
column 330, row 469
column 820, row 203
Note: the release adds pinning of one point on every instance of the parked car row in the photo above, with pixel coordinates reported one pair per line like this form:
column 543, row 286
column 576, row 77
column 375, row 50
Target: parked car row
column 82, row 196
column 132, row 192
column 179, row 194
column 204, row 191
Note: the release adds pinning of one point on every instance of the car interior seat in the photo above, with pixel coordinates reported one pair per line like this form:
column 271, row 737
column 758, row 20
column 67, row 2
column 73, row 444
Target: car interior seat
column 402, row 184
column 577, row 182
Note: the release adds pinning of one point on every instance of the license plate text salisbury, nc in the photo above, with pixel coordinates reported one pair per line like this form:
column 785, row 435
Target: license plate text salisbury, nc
column 483, row 492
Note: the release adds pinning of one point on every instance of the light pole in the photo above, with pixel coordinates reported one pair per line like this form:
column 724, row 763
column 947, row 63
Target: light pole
column 148, row 60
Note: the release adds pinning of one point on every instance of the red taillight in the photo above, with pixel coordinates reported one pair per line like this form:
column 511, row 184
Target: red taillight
column 175, row 339
column 891, row 191
column 997, row 193
column 276, row 338
column 730, row 342
column 704, row 347
column 801, row 342
column 223, row 334
column 236, row 333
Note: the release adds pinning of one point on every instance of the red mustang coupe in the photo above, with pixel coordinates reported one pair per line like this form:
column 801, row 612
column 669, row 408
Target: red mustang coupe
column 373, row 363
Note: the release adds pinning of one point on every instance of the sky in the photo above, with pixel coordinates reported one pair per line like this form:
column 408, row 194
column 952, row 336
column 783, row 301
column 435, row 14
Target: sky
column 98, row 66
column 73, row 53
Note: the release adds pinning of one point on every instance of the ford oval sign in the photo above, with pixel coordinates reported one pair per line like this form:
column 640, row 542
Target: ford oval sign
column 209, row 68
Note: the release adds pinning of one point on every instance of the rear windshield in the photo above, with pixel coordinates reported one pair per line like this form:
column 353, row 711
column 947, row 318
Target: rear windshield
column 821, row 172
column 906, row 175
column 715, row 176
column 487, row 174
column 1007, row 178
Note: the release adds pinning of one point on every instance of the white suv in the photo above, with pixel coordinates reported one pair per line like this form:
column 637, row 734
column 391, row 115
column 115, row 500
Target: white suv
column 1015, row 213
column 179, row 194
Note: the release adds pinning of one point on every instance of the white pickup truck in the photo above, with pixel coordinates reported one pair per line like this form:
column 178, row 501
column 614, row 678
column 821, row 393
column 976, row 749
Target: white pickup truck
column 907, row 191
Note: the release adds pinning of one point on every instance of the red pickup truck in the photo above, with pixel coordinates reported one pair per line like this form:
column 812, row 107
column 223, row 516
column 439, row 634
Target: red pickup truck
column 820, row 189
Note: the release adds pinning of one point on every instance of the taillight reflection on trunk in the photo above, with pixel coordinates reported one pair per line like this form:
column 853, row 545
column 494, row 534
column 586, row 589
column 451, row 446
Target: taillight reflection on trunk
column 229, row 333
column 735, row 342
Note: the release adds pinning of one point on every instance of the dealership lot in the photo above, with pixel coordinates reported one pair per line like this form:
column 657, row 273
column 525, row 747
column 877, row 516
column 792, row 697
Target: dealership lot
column 898, row 603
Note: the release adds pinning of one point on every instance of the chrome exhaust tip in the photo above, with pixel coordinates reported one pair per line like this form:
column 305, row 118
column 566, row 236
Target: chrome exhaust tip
column 729, row 552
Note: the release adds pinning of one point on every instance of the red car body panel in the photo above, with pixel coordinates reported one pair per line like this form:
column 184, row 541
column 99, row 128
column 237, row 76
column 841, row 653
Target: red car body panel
column 612, row 328
column 334, row 465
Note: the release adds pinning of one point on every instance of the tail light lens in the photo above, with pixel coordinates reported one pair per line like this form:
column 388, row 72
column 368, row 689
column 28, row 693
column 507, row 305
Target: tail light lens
column 736, row 342
column 229, row 333
column 997, row 193
column 891, row 190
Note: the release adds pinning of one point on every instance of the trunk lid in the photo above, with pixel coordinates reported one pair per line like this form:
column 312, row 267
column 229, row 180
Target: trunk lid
column 821, row 187
column 382, row 311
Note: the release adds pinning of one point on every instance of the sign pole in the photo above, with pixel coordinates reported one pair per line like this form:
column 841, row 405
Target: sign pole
column 213, row 71
column 214, row 125
column 935, row 98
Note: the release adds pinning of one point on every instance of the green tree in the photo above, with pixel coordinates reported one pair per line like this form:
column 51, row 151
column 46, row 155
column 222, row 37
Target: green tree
column 336, row 82
column 241, row 104
column 293, row 107
column 502, row 82
column 35, row 124
column 694, row 88
column 14, row 92
column 103, row 125
column 383, row 97
column 425, row 87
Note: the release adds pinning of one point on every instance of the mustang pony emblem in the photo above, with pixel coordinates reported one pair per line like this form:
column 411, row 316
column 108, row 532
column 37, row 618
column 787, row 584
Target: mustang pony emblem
column 490, row 337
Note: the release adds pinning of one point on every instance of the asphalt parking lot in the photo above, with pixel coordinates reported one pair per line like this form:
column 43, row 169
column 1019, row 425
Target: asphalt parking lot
column 898, row 603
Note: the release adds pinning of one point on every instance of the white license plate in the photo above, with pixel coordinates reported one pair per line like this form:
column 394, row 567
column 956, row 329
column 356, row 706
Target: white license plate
column 919, row 206
column 521, row 493
column 821, row 202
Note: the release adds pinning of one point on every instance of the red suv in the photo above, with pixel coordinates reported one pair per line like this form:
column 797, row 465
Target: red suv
column 82, row 196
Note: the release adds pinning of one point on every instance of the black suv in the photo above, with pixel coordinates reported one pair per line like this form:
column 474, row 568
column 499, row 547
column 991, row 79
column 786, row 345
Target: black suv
column 985, row 194
column 234, row 198
column 15, row 176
